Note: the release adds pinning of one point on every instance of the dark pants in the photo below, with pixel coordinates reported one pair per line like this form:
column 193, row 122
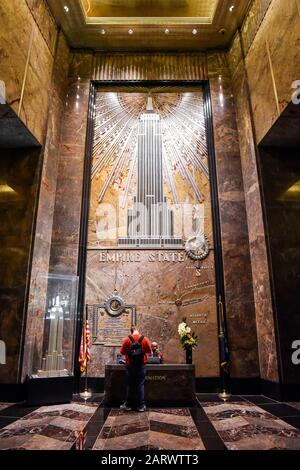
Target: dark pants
column 135, row 397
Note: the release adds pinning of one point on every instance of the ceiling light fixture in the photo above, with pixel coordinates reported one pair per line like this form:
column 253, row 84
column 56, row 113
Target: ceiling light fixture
column 195, row 31
column 130, row 31
column 167, row 31
column 66, row 8
column 231, row 8
column 103, row 31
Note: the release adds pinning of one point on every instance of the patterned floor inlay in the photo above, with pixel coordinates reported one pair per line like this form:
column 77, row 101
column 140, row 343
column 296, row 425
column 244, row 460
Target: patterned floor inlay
column 48, row 428
column 159, row 429
column 244, row 426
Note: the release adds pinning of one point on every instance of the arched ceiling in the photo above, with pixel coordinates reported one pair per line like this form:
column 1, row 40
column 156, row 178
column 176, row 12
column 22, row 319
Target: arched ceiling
column 149, row 25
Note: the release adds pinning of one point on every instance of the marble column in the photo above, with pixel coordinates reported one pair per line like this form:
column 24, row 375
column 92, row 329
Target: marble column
column 259, row 261
column 234, row 229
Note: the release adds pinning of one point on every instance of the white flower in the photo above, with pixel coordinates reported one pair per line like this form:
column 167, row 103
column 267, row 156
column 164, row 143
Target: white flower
column 188, row 329
column 182, row 329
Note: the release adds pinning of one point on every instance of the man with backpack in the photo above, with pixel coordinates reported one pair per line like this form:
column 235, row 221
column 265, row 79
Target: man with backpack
column 136, row 348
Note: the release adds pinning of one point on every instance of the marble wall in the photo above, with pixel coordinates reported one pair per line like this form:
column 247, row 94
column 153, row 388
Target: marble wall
column 263, row 66
column 27, row 36
column 64, row 251
column 257, row 239
column 65, row 191
column 272, row 58
column 233, row 218
column 41, row 75
column 68, row 200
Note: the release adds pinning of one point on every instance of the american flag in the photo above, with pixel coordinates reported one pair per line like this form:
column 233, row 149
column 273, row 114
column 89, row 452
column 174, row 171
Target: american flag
column 85, row 346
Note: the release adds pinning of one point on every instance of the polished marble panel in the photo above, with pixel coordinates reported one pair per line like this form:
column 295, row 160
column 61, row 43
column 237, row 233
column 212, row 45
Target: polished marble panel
column 155, row 429
column 216, row 425
column 258, row 251
column 48, row 428
column 240, row 310
column 244, row 426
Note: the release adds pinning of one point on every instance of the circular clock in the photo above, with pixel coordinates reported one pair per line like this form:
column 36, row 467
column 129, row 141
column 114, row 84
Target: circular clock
column 115, row 305
column 197, row 247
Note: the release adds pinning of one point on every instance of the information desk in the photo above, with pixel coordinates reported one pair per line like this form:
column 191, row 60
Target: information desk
column 166, row 384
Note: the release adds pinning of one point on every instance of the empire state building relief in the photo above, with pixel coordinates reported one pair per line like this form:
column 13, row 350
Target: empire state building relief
column 150, row 179
column 149, row 218
column 150, row 222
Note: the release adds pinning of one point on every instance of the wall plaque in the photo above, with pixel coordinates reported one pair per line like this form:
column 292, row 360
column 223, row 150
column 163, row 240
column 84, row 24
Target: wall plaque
column 112, row 321
column 112, row 330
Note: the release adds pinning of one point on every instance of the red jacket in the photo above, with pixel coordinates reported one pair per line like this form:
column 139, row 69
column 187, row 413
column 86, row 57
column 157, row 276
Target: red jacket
column 146, row 347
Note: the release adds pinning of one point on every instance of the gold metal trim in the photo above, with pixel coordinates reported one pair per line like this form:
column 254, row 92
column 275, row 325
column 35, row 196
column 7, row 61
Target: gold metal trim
column 26, row 67
column 273, row 77
column 147, row 21
column 89, row 20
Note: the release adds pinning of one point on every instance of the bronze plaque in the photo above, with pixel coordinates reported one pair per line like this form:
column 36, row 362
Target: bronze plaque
column 112, row 330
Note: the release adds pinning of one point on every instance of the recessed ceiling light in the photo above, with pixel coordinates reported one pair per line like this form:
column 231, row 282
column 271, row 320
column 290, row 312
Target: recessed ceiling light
column 167, row 31
column 103, row 31
column 195, row 31
column 66, row 8
column 130, row 31
column 231, row 8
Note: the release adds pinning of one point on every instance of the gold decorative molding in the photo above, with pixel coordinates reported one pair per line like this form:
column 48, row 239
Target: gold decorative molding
column 273, row 77
column 143, row 12
column 27, row 67
column 150, row 67
column 189, row 30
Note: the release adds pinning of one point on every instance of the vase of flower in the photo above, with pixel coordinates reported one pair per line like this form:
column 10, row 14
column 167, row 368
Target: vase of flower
column 189, row 355
column 188, row 340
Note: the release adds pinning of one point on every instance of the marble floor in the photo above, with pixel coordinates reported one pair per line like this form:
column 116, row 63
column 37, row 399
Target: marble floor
column 245, row 426
column 241, row 423
column 162, row 429
column 48, row 428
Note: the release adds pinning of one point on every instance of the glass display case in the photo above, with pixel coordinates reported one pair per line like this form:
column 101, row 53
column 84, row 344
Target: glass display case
column 54, row 348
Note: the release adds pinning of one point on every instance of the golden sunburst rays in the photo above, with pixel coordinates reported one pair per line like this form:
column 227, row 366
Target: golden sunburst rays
column 184, row 139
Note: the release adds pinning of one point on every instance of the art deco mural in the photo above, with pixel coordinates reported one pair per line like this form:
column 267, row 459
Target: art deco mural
column 150, row 237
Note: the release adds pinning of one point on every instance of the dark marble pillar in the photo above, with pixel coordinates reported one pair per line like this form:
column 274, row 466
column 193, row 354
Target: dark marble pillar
column 259, row 260
column 67, row 212
column 234, row 228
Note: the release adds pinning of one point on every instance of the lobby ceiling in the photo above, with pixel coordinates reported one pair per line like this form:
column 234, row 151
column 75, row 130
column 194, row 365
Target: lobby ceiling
column 149, row 25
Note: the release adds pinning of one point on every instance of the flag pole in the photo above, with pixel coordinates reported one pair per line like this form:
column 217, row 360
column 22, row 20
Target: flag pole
column 224, row 395
column 86, row 394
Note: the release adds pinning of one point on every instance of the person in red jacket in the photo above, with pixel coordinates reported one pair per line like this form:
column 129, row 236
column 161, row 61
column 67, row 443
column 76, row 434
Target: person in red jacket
column 136, row 349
